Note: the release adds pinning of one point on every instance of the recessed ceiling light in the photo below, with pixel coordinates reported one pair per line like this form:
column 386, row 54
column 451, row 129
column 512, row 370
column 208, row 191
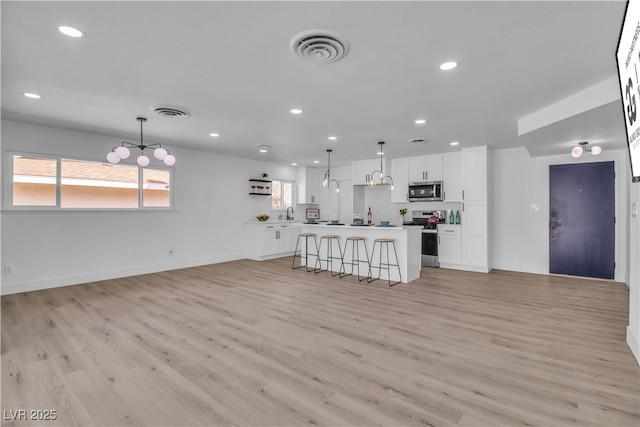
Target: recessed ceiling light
column 316, row 161
column 420, row 121
column 215, row 135
column 454, row 143
column 333, row 138
column 448, row 66
column 296, row 111
column 263, row 150
column 294, row 164
column 32, row 95
column 70, row 31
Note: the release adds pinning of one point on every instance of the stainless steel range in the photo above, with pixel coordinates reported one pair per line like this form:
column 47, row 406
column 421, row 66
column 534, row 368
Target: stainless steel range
column 429, row 221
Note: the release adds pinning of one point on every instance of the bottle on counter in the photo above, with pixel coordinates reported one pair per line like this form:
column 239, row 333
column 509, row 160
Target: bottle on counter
column 369, row 216
column 457, row 217
column 451, row 217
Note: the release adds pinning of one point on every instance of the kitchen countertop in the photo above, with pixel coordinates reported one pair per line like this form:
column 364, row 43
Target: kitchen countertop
column 277, row 221
column 364, row 227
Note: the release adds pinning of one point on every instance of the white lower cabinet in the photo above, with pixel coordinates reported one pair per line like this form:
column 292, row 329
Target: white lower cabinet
column 449, row 244
column 268, row 237
column 265, row 241
column 296, row 229
column 283, row 237
column 475, row 235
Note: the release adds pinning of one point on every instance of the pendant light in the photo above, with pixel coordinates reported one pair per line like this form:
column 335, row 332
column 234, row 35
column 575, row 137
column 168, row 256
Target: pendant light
column 579, row 149
column 327, row 175
column 380, row 173
column 122, row 152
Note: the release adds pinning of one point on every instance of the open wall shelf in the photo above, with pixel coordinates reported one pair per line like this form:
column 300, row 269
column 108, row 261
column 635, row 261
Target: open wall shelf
column 260, row 187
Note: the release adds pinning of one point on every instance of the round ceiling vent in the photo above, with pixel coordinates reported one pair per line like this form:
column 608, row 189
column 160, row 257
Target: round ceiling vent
column 319, row 46
column 170, row 112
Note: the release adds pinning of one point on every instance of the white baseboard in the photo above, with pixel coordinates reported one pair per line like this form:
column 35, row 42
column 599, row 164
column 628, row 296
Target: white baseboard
column 56, row 282
column 465, row 267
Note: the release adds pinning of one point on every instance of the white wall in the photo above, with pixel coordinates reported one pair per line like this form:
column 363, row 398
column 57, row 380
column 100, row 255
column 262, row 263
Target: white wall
column 63, row 248
column 633, row 330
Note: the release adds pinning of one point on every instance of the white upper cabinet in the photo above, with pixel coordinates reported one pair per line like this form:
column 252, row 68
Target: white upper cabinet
column 361, row 171
column 453, row 179
column 309, row 183
column 425, row 168
column 400, row 174
column 474, row 170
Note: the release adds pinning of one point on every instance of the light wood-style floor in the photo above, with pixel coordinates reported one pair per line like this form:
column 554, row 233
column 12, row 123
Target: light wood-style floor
column 255, row 343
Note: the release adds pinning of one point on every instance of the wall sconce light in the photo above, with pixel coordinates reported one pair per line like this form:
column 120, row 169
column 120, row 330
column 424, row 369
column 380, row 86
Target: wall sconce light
column 579, row 150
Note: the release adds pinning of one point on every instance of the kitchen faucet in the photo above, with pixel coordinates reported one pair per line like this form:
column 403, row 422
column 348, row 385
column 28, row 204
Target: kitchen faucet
column 289, row 218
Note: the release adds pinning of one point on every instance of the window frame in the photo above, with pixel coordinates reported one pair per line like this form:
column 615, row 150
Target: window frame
column 7, row 188
column 293, row 193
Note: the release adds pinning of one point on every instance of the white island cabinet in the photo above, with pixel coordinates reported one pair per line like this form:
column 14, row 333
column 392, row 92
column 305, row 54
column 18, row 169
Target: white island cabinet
column 267, row 240
column 408, row 240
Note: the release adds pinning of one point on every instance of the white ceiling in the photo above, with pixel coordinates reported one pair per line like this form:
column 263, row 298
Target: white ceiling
column 229, row 64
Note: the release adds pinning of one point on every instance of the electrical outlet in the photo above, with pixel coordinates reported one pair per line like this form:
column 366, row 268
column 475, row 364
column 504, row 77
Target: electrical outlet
column 171, row 250
column 535, row 207
column 8, row 269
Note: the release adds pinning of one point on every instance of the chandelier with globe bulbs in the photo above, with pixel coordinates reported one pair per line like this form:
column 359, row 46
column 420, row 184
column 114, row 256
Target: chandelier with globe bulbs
column 122, row 152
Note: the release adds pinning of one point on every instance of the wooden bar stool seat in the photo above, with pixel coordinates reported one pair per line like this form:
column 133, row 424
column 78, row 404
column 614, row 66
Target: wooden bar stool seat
column 378, row 243
column 355, row 260
column 306, row 237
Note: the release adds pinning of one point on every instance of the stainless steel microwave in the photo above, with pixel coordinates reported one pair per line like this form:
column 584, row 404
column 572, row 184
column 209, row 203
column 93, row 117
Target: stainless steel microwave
column 429, row 191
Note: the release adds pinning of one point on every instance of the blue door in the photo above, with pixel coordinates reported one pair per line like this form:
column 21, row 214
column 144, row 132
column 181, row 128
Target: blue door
column 582, row 219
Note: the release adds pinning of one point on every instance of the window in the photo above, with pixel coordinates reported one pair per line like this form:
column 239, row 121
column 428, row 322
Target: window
column 281, row 194
column 41, row 182
column 34, row 181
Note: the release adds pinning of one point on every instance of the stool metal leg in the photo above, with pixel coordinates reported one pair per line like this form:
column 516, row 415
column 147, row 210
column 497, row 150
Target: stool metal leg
column 306, row 253
column 397, row 265
column 355, row 258
column 370, row 277
column 388, row 264
column 329, row 260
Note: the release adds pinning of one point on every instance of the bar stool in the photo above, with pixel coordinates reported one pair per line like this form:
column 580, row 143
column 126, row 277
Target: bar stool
column 306, row 236
column 330, row 239
column 355, row 257
column 381, row 265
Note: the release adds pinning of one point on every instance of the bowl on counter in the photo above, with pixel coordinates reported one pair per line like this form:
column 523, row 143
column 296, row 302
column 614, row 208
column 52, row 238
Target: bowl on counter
column 311, row 220
column 262, row 217
column 358, row 221
column 334, row 221
column 384, row 223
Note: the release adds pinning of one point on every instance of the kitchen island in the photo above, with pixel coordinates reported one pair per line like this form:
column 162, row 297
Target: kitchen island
column 407, row 238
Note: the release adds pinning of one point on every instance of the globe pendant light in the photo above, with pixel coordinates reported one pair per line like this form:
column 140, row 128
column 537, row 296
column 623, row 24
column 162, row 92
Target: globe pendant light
column 122, row 152
column 327, row 175
column 380, row 173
